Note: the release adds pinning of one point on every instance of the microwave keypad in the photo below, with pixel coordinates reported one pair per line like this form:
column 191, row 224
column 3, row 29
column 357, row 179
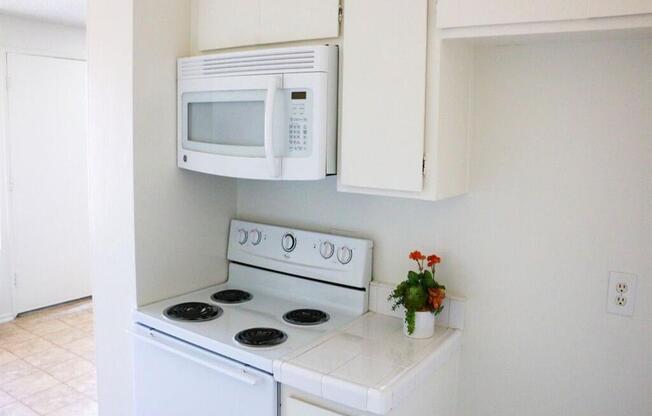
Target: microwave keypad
column 298, row 129
column 298, row 134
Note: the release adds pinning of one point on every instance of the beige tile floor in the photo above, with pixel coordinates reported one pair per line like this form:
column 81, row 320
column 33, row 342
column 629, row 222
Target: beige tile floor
column 47, row 363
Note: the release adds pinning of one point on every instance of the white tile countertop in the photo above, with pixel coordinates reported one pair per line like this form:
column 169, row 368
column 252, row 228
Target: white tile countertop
column 369, row 365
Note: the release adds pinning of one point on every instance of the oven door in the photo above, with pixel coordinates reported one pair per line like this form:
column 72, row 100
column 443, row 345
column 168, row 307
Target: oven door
column 234, row 123
column 176, row 378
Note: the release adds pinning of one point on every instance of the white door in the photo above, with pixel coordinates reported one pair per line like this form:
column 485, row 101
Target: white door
column 383, row 94
column 175, row 378
column 229, row 23
column 47, row 107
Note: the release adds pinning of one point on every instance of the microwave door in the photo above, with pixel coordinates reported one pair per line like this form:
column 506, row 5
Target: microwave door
column 233, row 119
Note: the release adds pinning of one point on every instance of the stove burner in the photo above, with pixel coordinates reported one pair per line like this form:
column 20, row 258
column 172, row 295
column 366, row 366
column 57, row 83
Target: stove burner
column 261, row 337
column 193, row 311
column 306, row 317
column 231, row 296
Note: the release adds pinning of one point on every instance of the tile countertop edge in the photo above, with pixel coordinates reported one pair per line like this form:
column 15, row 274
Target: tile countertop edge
column 377, row 400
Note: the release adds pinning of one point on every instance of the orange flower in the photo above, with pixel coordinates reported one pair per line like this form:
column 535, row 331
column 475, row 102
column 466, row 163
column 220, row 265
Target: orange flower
column 416, row 255
column 436, row 297
column 433, row 259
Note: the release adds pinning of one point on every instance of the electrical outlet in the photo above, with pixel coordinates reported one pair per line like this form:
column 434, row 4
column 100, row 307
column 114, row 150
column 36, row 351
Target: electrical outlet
column 622, row 287
column 621, row 300
column 621, row 294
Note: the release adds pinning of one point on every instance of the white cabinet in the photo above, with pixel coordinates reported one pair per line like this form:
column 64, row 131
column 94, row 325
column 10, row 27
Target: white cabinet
column 221, row 24
column 468, row 13
column 296, row 407
column 461, row 13
column 383, row 94
column 405, row 103
column 225, row 23
column 604, row 8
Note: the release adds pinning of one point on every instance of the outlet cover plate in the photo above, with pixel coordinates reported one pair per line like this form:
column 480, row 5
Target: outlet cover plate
column 619, row 302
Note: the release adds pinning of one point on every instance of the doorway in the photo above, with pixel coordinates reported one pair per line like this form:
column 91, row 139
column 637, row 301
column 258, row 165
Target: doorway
column 48, row 180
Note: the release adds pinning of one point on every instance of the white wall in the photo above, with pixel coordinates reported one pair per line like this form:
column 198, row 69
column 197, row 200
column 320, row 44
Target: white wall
column 111, row 204
column 40, row 38
column 561, row 193
column 157, row 231
column 181, row 217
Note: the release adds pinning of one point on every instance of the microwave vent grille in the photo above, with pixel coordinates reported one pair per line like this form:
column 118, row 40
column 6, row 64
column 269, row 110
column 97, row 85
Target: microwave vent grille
column 247, row 64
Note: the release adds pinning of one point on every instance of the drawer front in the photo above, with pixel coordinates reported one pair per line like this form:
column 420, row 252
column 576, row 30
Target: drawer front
column 296, row 407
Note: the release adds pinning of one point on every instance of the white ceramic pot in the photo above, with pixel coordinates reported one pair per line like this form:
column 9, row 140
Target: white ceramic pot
column 424, row 325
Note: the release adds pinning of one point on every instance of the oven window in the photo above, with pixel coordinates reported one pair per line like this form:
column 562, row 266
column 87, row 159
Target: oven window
column 230, row 123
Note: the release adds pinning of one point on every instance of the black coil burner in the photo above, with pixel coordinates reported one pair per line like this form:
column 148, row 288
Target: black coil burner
column 193, row 311
column 231, row 296
column 306, row 317
column 261, row 337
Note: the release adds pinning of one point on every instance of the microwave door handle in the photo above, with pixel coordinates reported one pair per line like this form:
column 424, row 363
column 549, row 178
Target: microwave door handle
column 273, row 163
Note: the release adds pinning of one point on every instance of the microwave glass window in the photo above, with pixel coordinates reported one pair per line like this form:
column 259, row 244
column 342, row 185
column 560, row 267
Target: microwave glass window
column 231, row 123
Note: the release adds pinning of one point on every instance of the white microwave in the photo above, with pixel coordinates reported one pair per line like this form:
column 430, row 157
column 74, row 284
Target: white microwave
column 263, row 114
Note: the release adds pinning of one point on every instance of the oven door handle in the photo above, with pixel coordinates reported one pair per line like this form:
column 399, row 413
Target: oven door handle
column 239, row 375
column 273, row 163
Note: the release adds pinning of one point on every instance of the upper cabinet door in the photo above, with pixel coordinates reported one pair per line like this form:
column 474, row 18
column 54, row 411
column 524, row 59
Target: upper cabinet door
column 232, row 23
column 604, row 8
column 383, row 94
column 226, row 23
column 460, row 13
column 287, row 20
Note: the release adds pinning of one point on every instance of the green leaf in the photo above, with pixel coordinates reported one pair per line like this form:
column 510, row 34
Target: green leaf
column 410, row 316
column 413, row 278
column 415, row 297
column 428, row 281
column 397, row 297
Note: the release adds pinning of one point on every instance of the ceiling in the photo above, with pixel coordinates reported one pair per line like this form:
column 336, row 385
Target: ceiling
column 67, row 12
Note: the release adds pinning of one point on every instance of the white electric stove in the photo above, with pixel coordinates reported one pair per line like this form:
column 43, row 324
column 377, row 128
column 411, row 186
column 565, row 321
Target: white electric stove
column 213, row 350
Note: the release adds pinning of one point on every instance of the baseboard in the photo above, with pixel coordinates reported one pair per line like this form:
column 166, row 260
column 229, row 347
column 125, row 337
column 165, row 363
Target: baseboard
column 7, row 317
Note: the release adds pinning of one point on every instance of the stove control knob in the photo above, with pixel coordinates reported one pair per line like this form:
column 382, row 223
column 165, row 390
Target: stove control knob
column 242, row 236
column 288, row 242
column 344, row 255
column 255, row 236
column 327, row 249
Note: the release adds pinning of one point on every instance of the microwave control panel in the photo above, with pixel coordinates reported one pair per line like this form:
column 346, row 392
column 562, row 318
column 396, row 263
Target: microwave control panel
column 299, row 131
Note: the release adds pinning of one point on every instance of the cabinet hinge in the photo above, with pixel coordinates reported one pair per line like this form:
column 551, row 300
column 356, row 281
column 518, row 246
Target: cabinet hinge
column 340, row 13
column 15, row 280
column 423, row 166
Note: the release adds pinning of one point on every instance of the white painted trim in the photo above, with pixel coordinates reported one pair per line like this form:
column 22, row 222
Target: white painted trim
column 590, row 28
column 7, row 317
column 6, row 235
column 42, row 52
column 4, row 108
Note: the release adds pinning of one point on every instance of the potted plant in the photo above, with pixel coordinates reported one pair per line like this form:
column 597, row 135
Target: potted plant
column 421, row 296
